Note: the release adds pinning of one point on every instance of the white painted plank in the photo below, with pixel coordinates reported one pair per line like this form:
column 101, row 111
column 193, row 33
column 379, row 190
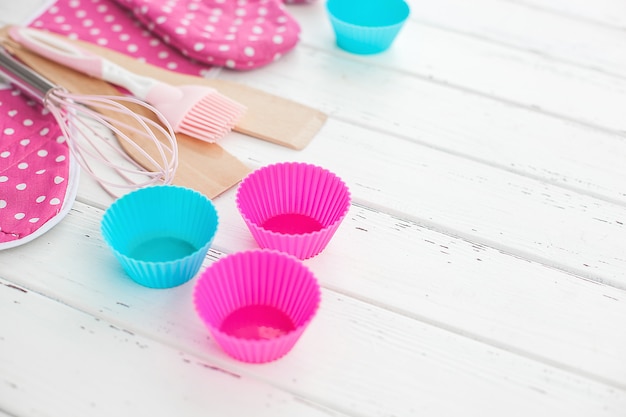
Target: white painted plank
column 601, row 12
column 57, row 361
column 460, row 286
column 614, row 169
column 357, row 358
column 567, row 31
column 10, row 14
column 511, row 138
column 467, row 288
column 372, row 171
column 387, row 165
column 514, row 139
column 511, row 378
column 562, row 229
column 460, row 197
column 513, row 75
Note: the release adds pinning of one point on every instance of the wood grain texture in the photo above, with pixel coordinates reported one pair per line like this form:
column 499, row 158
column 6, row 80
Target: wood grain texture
column 479, row 272
column 517, row 76
column 96, row 368
column 602, row 12
column 569, row 32
column 337, row 350
column 521, row 140
column 465, row 198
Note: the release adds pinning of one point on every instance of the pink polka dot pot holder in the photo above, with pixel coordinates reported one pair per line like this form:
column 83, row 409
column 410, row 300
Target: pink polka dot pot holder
column 38, row 176
column 238, row 34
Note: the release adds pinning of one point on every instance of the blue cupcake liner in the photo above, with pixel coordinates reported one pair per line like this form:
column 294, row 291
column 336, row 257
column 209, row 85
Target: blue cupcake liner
column 368, row 27
column 160, row 234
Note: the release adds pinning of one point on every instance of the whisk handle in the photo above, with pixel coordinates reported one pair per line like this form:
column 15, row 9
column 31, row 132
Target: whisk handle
column 56, row 49
column 23, row 77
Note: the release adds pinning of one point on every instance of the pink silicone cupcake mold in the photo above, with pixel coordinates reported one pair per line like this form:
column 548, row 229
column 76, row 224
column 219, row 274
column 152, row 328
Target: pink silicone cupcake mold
column 256, row 304
column 293, row 207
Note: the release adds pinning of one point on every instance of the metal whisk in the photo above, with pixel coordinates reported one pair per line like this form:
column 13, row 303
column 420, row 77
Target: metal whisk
column 87, row 122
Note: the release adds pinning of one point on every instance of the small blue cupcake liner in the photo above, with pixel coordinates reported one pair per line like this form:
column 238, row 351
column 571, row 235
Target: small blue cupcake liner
column 368, row 27
column 160, row 234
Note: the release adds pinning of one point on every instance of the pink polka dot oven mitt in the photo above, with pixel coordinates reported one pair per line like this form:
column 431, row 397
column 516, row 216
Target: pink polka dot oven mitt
column 105, row 23
column 237, row 34
column 38, row 177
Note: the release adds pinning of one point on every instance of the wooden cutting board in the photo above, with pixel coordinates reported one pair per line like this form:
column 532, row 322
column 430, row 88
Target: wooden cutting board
column 205, row 167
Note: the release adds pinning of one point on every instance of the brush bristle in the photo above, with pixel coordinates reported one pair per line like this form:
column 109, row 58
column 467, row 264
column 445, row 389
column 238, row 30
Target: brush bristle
column 211, row 118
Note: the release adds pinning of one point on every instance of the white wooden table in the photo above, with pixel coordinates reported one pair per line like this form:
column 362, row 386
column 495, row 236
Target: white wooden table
column 481, row 270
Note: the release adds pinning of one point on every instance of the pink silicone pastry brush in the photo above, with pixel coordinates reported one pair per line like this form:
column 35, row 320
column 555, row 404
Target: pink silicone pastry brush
column 195, row 110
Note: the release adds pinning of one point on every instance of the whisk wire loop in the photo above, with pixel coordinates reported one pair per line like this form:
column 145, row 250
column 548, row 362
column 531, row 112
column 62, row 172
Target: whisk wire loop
column 91, row 147
column 87, row 123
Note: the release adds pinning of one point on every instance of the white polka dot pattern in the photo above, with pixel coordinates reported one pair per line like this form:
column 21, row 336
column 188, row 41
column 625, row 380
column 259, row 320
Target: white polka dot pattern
column 238, row 34
column 187, row 36
column 116, row 29
column 34, row 167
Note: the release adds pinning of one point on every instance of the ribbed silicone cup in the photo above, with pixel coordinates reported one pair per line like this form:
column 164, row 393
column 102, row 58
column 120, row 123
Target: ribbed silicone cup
column 293, row 207
column 368, row 26
column 160, row 234
column 256, row 304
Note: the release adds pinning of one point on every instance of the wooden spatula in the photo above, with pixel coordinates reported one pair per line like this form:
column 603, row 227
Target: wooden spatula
column 269, row 117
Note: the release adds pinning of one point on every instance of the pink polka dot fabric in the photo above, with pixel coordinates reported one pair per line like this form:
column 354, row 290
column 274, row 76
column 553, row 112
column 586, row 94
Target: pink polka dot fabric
column 238, row 34
column 104, row 23
column 186, row 36
column 38, row 177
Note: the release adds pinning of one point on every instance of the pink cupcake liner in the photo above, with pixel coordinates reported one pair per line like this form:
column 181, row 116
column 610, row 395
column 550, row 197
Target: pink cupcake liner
column 256, row 304
column 293, row 207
